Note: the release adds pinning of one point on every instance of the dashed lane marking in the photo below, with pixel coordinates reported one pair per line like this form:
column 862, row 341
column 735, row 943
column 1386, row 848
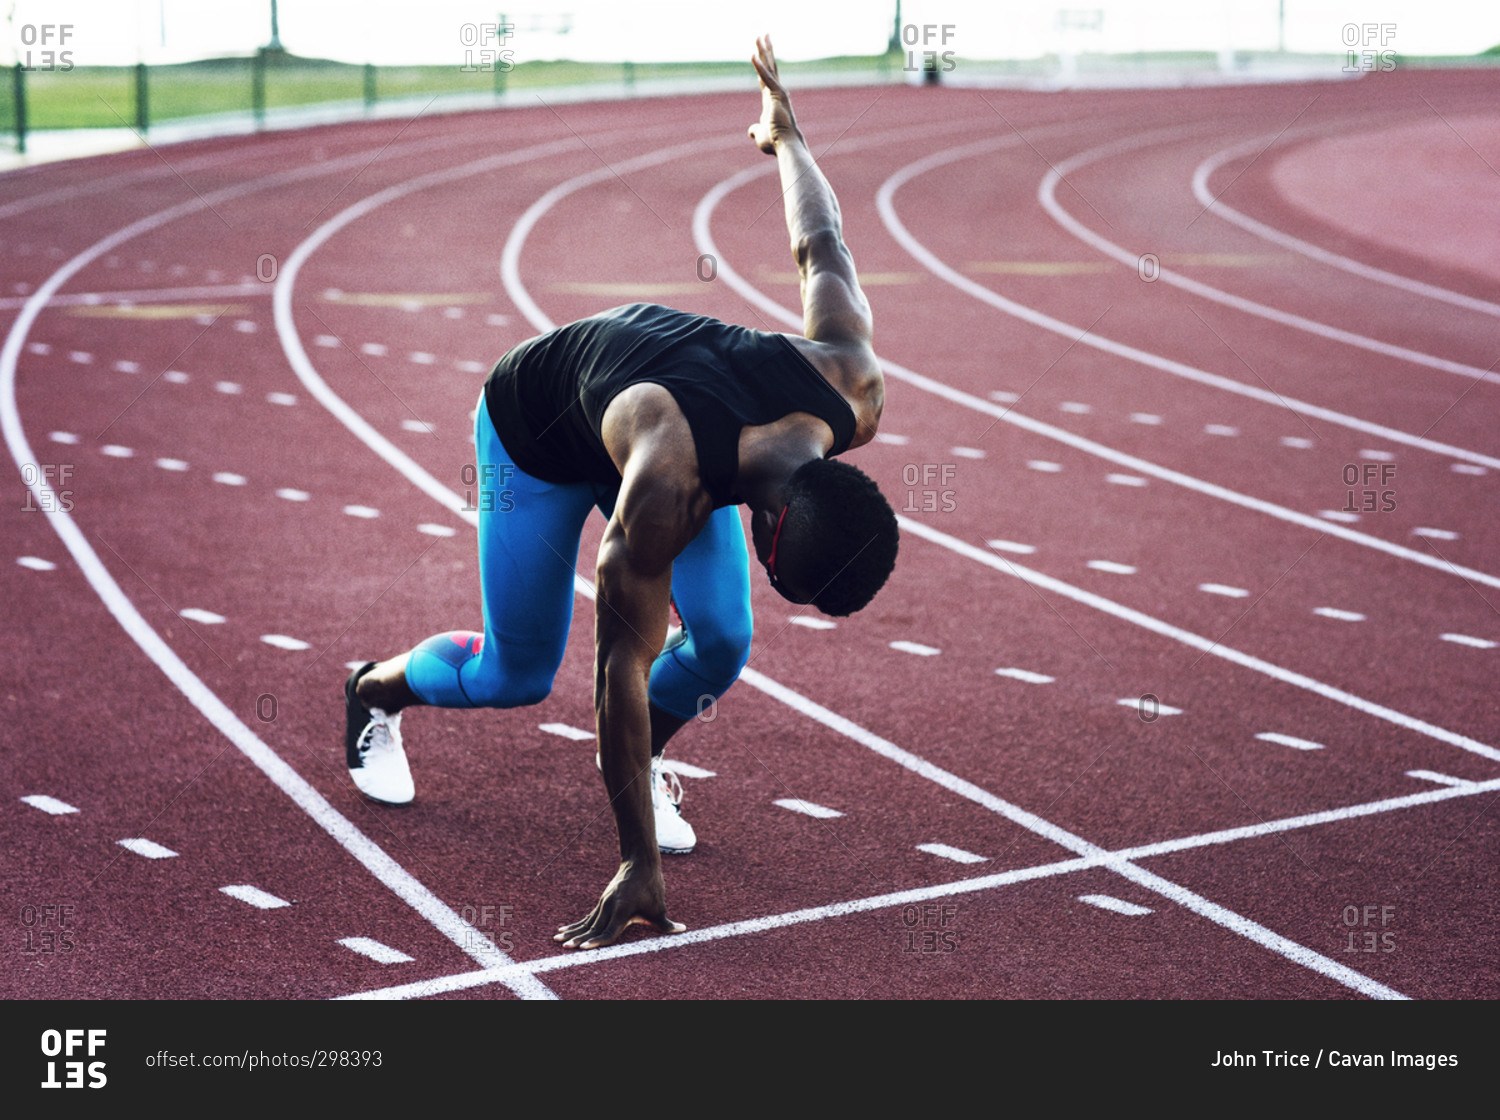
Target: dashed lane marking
column 375, row 950
column 123, row 366
column 566, row 731
column 1013, row 546
column 421, row 357
column 892, row 438
column 48, row 804
column 228, row 388
column 435, row 530
column 148, row 848
column 365, row 512
column 63, row 437
column 812, row 622
column 796, row 805
column 417, row 426
column 374, row 349
column 916, row 647
column 1465, row 640
column 35, row 563
column 1119, row 906
column 1342, row 516
column 281, row 641
column 172, row 464
column 1377, row 456
column 1440, row 779
column 967, row 452
column 687, row 769
column 1342, row 616
column 947, row 851
column 229, row 478
column 1289, row 741
column 1025, row 675
column 1126, row 479
column 281, row 398
column 1044, row 465
column 115, row 451
column 1302, row 443
column 1223, row 589
column 1435, row 534
column 1467, row 468
column 176, row 377
column 255, row 896
column 1140, row 705
column 1077, row 408
column 1221, row 430
column 198, row 614
column 1145, row 418
column 1111, row 566
column 293, row 495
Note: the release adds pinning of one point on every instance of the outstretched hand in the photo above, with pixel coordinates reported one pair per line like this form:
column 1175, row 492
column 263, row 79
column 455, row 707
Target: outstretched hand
column 635, row 896
column 776, row 118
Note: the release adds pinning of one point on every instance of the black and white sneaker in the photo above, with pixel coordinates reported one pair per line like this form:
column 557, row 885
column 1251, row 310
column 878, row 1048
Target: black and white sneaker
column 372, row 748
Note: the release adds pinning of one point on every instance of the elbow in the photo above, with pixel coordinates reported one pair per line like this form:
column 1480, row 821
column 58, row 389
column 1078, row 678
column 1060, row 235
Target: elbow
column 820, row 244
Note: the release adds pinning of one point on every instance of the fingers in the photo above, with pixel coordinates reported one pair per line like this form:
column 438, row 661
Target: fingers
column 601, row 928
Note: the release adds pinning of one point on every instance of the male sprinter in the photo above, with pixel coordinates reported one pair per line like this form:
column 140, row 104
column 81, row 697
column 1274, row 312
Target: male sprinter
column 666, row 421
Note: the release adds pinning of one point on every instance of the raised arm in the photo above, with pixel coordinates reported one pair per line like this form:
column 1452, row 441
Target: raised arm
column 834, row 310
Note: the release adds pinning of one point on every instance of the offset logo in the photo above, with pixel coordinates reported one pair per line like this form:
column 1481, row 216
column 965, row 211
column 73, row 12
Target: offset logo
column 67, row 1043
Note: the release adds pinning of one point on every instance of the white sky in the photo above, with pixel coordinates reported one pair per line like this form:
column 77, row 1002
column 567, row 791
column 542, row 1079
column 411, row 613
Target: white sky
column 115, row 32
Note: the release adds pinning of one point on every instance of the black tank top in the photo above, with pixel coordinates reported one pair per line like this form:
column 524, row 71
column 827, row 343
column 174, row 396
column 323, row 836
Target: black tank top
column 548, row 395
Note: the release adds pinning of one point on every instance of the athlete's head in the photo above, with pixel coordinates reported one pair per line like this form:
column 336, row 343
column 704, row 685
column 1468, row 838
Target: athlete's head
column 834, row 543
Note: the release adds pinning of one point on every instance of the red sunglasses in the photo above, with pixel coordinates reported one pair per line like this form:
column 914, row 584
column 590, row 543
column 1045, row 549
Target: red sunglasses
column 771, row 560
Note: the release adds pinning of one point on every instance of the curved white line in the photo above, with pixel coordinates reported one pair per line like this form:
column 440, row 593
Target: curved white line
column 1083, row 337
column 406, row 886
column 1219, row 208
column 1046, row 194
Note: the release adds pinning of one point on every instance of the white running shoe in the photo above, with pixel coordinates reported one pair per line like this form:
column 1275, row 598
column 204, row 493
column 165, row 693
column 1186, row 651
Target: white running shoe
column 373, row 751
column 674, row 836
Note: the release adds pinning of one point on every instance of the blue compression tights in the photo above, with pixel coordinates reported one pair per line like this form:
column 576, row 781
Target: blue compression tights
column 528, row 548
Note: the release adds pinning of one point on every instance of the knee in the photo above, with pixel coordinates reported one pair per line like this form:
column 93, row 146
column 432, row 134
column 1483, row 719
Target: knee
column 509, row 690
column 720, row 651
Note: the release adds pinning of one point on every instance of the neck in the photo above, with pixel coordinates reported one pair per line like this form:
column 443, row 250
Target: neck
column 771, row 453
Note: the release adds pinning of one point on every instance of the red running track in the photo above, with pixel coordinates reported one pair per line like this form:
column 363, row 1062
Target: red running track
column 1157, row 704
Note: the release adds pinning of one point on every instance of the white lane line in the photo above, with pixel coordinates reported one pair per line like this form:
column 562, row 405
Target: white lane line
column 947, row 851
column 36, row 563
column 176, row 377
column 1126, row 479
column 1220, row 430
column 293, row 495
column 1196, row 641
column 1112, row 566
column 686, row 769
column 197, row 614
column 422, row 358
column 48, row 804
column 365, row 512
column 375, row 950
column 80, row 357
column 1467, row 468
column 1221, row 209
column 245, row 326
column 264, row 900
column 812, row 622
column 416, row 426
column 566, row 731
column 461, row 981
column 1046, row 466
column 434, row 530
column 374, row 349
column 229, row 478
column 807, row 808
column 471, row 367
column 1025, row 675
column 1142, row 705
column 327, row 341
column 1435, row 534
column 1013, row 546
column 1378, row 456
column 281, row 641
column 1342, row 516
column 892, row 438
column 172, row 464
column 1342, row 616
column 1118, row 905
column 148, row 848
column 1224, row 589
column 38, row 348
column 1077, row 408
column 281, row 398
column 1088, row 338
column 127, row 367
column 1289, row 741
column 1145, row 418
column 1440, row 779
column 916, row 647
column 115, row 451
column 229, row 388
column 1047, row 196
column 968, row 452
column 1003, row 397
column 1465, row 640
column 63, row 437
column 1302, row 443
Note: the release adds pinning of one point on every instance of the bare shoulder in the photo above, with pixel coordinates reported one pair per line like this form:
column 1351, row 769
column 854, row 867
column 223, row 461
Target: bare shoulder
column 853, row 369
column 662, row 503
